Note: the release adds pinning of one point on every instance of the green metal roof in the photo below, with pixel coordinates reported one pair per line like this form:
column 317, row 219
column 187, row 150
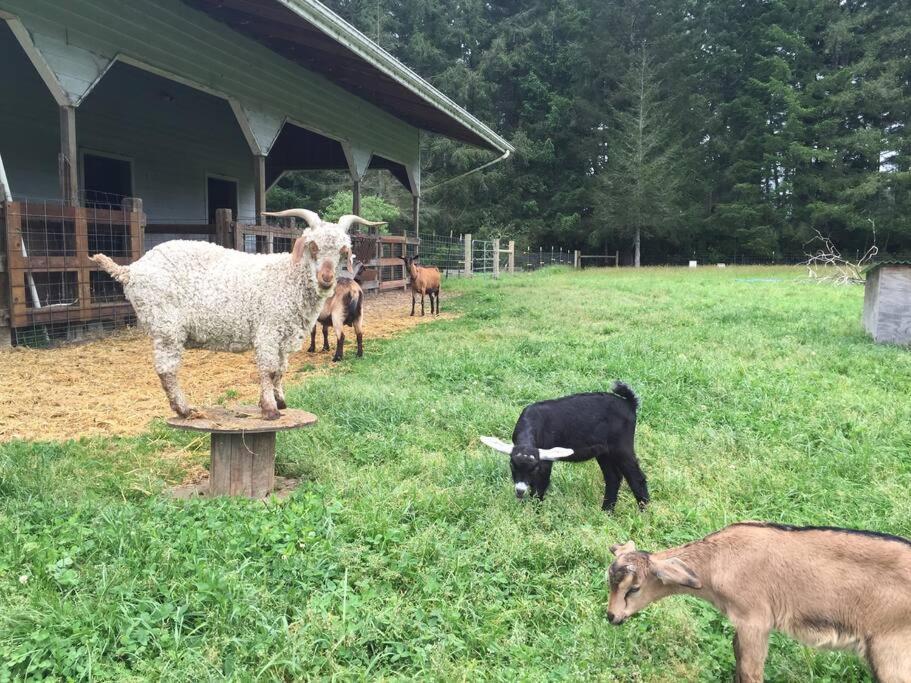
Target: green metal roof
column 310, row 34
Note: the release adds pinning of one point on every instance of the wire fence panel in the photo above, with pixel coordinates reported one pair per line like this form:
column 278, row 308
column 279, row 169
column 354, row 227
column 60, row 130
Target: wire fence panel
column 444, row 252
column 55, row 292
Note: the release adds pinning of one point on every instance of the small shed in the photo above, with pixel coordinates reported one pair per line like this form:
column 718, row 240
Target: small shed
column 887, row 302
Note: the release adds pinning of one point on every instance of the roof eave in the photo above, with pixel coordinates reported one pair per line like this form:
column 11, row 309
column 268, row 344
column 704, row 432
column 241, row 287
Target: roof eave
column 324, row 19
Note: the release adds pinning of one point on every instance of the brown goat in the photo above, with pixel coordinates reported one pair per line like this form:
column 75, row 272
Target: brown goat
column 827, row 587
column 344, row 307
column 424, row 279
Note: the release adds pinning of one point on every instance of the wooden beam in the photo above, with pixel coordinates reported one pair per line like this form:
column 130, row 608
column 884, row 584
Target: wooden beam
column 416, row 213
column 356, row 198
column 259, row 187
column 69, row 178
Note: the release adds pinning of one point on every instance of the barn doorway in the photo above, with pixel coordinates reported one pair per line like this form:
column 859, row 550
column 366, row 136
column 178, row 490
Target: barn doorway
column 221, row 193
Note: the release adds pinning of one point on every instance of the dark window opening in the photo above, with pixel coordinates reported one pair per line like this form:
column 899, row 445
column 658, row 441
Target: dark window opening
column 107, row 181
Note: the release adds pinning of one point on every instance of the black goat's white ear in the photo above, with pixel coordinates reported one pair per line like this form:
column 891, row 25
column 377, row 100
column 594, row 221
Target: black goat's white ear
column 496, row 444
column 554, row 453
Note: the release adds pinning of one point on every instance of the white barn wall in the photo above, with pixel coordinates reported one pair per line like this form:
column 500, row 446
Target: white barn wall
column 173, row 143
column 29, row 125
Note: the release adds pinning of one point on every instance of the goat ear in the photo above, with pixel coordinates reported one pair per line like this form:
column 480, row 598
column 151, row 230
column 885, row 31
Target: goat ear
column 297, row 252
column 496, row 444
column 675, row 571
column 621, row 548
column 554, row 453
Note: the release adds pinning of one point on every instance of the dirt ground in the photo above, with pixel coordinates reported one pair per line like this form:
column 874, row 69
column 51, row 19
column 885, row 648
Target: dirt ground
column 108, row 387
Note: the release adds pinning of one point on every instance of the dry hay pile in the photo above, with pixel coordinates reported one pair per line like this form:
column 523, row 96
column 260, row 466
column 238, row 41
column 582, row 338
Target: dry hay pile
column 108, row 387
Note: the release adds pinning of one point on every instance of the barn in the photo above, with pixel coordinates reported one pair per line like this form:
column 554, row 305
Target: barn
column 124, row 124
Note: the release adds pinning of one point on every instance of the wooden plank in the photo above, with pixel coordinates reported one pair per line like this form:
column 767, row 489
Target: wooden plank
column 262, row 476
column 241, row 466
column 220, row 464
column 23, row 316
column 392, row 284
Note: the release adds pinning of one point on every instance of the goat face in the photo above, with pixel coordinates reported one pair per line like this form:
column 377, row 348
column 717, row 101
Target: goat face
column 325, row 243
column 530, row 466
column 530, row 474
column 637, row 579
column 320, row 250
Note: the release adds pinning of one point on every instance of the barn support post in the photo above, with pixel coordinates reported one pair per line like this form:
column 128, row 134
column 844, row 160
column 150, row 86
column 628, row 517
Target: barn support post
column 356, row 197
column 69, row 179
column 468, row 251
column 511, row 259
column 496, row 258
column 259, row 187
column 416, row 213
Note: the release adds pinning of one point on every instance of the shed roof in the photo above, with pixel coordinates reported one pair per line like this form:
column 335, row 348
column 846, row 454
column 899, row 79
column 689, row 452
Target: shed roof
column 310, row 34
column 888, row 262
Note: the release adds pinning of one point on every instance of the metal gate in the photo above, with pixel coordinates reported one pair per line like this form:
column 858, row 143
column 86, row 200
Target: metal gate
column 482, row 256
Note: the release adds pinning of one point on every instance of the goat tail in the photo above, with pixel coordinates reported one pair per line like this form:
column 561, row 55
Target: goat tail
column 118, row 272
column 624, row 391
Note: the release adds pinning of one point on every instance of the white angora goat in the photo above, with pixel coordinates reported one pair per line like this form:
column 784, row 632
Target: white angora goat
column 198, row 295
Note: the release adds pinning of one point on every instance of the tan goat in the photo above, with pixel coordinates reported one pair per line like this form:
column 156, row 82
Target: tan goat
column 425, row 280
column 827, row 587
column 344, row 307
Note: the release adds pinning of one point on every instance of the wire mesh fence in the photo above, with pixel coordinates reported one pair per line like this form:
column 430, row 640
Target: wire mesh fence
column 52, row 290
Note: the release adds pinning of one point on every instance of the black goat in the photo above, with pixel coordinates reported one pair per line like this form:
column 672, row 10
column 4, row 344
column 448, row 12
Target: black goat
column 574, row 429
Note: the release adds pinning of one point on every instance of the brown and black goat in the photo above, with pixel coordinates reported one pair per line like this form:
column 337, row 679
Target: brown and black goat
column 827, row 587
column 344, row 307
column 424, row 280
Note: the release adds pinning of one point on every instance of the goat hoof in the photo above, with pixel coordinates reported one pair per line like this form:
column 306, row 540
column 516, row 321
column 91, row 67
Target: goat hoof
column 326, row 348
column 312, row 349
column 643, row 505
column 271, row 414
column 336, row 359
column 360, row 354
column 280, row 403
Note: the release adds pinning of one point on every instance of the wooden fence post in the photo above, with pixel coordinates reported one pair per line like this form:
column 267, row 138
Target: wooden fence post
column 511, row 260
column 223, row 236
column 496, row 258
column 577, row 259
column 468, row 253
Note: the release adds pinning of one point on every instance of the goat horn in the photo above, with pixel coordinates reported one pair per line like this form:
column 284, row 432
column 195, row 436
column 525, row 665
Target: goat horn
column 495, row 443
column 554, row 453
column 311, row 217
column 346, row 221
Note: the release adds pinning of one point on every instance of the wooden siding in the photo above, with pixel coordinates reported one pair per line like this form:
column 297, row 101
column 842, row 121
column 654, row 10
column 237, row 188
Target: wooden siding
column 887, row 304
column 79, row 36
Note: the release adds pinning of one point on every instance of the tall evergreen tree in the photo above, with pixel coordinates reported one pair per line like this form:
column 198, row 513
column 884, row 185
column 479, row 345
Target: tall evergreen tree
column 640, row 176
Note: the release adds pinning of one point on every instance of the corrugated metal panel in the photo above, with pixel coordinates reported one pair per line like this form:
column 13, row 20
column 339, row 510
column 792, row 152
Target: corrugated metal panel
column 170, row 36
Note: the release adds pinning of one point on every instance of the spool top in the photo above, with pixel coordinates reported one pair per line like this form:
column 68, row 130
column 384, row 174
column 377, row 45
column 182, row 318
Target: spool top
column 242, row 419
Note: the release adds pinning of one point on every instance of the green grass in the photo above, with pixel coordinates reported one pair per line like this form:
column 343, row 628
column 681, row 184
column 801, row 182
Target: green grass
column 405, row 555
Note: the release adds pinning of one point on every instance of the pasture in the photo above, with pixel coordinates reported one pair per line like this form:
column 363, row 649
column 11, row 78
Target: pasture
column 404, row 554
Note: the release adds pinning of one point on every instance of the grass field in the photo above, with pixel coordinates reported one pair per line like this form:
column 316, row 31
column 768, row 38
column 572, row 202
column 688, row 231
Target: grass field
column 405, row 554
